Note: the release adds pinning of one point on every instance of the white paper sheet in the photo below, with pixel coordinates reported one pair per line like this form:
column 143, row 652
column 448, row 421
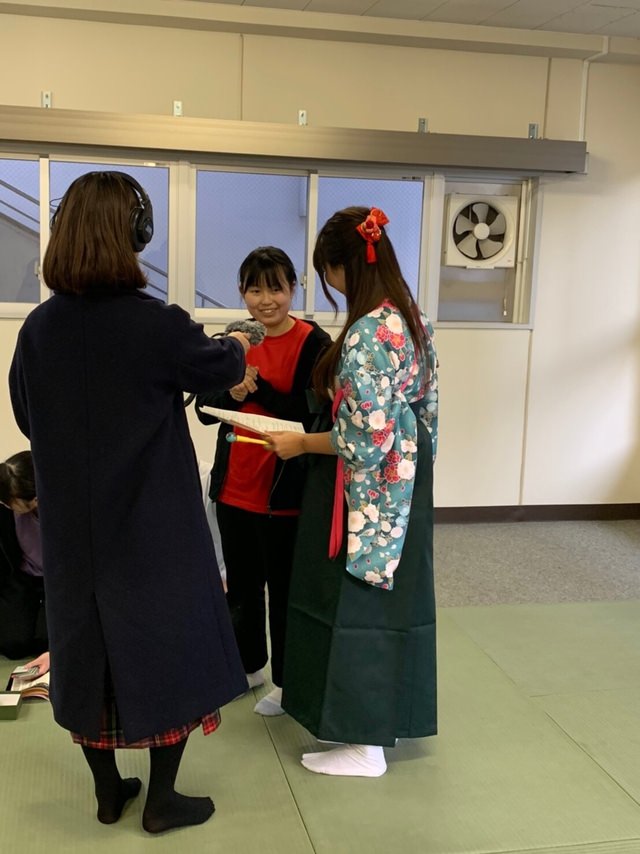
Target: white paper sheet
column 255, row 423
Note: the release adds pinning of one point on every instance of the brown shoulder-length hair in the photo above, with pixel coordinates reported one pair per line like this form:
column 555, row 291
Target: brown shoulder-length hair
column 339, row 244
column 90, row 246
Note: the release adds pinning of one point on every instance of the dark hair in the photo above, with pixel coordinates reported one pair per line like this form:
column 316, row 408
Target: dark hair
column 17, row 478
column 90, row 246
column 339, row 244
column 266, row 264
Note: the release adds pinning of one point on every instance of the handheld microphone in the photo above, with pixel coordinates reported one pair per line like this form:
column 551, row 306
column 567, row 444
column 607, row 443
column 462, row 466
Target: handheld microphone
column 253, row 329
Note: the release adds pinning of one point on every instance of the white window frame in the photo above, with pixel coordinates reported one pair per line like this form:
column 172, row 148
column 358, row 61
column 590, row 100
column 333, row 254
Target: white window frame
column 181, row 239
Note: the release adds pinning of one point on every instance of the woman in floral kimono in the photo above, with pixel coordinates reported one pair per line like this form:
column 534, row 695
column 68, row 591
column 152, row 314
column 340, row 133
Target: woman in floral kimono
column 360, row 657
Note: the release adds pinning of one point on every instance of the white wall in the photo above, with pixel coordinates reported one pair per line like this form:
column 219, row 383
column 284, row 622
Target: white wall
column 118, row 68
column 540, row 418
column 388, row 88
column 583, row 436
column 482, row 382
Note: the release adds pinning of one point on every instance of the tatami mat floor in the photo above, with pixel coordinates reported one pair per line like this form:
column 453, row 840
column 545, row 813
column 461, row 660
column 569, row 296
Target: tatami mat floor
column 538, row 751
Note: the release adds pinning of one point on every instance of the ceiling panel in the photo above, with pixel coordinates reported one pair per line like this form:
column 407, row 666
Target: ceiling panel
column 625, row 27
column 529, row 15
column 629, row 4
column 413, row 10
column 586, row 19
column 297, row 5
column 467, row 11
column 605, row 17
column 344, row 7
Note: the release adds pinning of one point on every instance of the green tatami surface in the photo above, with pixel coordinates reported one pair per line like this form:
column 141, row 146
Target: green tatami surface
column 538, row 752
column 47, row 802
column 549, row 649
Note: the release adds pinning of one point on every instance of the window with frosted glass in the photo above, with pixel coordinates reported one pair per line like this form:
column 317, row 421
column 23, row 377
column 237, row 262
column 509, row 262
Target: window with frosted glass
column 19, row 231
column 402, row 203
column 235, row 213
column 155, row 181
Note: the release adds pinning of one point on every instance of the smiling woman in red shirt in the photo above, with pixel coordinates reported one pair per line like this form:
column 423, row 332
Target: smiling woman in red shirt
column 257, row 495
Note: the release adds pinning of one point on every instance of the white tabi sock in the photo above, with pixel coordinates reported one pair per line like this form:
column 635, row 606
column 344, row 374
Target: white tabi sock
column 256, row 679
column 270, row 704
column 350, row 760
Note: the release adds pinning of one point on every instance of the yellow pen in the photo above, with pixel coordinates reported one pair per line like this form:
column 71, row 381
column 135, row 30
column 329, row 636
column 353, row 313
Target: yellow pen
column 233, row 437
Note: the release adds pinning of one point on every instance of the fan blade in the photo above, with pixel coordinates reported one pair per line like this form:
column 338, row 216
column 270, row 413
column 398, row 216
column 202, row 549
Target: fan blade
column 469, row 246
column 481, row 210
column 462, row 225
column 499, row 225
column 489, row 248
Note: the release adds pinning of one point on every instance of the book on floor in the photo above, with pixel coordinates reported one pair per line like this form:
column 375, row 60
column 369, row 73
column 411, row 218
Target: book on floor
column 29, row 687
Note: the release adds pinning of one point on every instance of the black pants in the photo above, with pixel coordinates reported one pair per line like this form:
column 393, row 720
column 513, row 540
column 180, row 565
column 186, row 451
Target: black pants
column 258, row 550
column 23, row 625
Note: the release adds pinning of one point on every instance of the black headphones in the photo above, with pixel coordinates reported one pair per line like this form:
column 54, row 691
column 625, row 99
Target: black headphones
column 141, row 219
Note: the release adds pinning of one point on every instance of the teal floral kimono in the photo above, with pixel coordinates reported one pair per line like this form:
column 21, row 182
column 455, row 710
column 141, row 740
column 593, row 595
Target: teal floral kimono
column 384, row 390
column 360, row 658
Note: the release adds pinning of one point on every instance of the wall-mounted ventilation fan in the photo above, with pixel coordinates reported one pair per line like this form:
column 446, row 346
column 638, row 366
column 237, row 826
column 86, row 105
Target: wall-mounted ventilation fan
column 480, row 231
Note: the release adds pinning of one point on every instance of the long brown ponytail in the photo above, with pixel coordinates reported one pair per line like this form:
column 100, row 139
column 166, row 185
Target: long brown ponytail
column 367, row 284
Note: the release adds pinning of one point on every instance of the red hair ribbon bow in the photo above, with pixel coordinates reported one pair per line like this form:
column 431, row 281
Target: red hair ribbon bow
column 370, row 231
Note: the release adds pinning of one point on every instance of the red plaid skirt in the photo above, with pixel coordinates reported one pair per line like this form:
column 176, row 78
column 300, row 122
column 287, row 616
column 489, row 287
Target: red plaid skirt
column 112, row 737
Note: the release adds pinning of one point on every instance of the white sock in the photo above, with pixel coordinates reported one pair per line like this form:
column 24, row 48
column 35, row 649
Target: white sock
column 350, row 760
column 256, row 679
column 270, row 704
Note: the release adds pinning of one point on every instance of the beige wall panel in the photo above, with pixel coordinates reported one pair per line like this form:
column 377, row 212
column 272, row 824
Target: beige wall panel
column 11, row 439
column 584, row 412
column 482, row 386
column 388, row 88
column 118, row 68
column 563, row 100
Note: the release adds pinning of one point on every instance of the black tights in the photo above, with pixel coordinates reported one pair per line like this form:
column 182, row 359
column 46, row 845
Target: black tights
column 165, row 808
column 112, row 792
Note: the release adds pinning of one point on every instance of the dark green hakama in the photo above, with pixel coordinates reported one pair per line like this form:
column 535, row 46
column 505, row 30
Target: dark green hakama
column 360, row 661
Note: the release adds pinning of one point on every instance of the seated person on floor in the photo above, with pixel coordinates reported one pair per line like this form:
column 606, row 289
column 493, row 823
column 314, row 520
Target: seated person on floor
column 23, row 629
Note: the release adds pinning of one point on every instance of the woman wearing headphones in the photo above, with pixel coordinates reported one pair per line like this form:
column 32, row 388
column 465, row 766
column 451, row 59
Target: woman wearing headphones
column 142, row 648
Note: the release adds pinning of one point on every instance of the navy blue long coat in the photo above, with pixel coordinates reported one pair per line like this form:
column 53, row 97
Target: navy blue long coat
column 130, row 572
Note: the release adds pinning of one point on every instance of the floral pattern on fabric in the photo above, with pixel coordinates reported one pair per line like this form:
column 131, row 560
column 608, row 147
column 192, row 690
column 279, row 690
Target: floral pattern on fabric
column 375, row 433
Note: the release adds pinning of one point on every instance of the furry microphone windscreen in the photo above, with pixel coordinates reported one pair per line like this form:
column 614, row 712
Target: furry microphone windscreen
column 253, row 329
